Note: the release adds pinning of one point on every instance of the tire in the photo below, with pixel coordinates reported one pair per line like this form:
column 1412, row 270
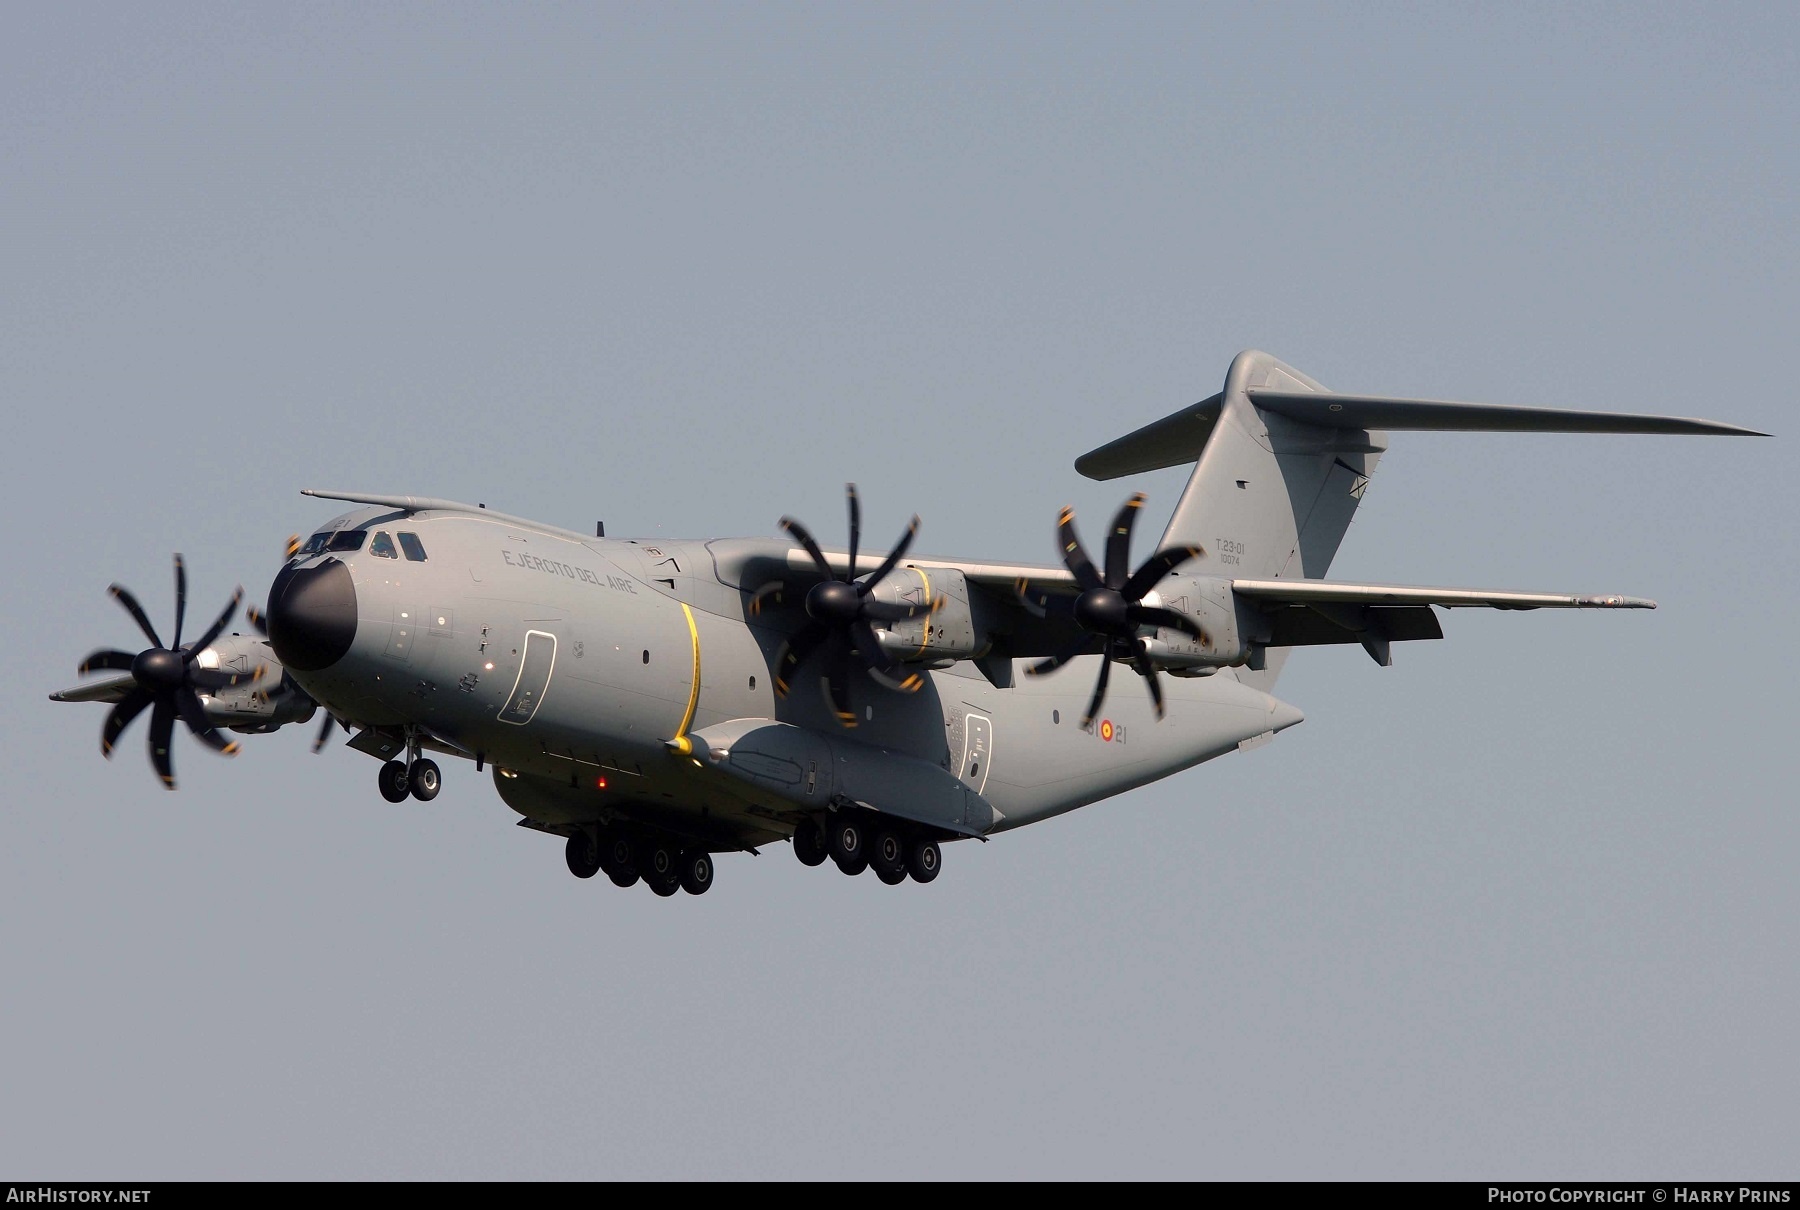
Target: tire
column 809, row 844
column 696, row 872
column 923, row 860
column 664, row 887
column 424, row 779
column 583, row 855
column 617, row 859
column 849, row 841
column 887, row 856
column 658, row 862
column 392, row 780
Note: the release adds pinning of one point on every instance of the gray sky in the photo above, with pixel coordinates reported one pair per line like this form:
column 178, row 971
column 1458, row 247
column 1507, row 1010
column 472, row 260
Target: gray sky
column 1522, row 905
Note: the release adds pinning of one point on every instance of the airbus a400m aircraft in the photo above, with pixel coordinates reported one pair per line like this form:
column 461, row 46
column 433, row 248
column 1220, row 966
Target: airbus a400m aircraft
column 656, row 704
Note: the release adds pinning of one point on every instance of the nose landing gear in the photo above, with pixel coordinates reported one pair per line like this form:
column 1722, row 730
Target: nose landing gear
column 417, row 775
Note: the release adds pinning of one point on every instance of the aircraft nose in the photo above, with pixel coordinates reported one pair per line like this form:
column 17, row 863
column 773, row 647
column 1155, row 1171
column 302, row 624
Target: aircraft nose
column 312, row 615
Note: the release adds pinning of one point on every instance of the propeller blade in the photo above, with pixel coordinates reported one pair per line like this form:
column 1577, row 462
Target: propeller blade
column 123, row 596
column 836, row 681
column 194, row 715
column 162, row 738
column 1154, row 682
column 883, row 611
column 772, row 591
column 259, row 621
column 293, row 546
column 320, row 740
column 1155, row 568
column 1043, row 604
column 894, row 557
column 1118, row 542
column 180, row 599
column 1154, row 615
column 855, row 525
column 793, row 653
column 879, row 666
column 812, row 548
column 1079, row 647
column 213, row 631
column 1074, row 558
column 129, row 707
column 1093, row 707
column 107, row 659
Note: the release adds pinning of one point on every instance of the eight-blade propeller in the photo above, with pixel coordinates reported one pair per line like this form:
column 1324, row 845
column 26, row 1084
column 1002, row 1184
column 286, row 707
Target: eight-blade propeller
column 842, row 612
column 168, row 683
column 1111, row 605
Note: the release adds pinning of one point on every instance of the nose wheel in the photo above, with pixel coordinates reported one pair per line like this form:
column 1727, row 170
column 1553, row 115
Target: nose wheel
column 424, row 780
column 392, row 780
column 421, row 780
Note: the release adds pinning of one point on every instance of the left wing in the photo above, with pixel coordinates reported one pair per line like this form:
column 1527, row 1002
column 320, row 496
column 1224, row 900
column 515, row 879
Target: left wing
column 103, row 689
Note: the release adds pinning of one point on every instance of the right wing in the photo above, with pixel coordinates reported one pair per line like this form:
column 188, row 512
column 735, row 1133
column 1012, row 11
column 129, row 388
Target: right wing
column 1308, row 592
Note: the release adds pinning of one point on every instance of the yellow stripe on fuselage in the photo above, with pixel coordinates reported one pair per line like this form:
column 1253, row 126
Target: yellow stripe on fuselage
column 687, row 719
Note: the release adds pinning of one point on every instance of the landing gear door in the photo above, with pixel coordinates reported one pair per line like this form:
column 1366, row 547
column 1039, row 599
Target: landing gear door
column 534, row 678
column 978, row 748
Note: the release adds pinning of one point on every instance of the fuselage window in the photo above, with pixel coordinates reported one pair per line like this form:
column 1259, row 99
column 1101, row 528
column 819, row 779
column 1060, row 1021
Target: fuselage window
column 415, row 549
column 383, row 546
column 347, row 540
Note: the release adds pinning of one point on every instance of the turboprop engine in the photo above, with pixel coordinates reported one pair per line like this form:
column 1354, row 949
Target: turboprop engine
column 1228, row 627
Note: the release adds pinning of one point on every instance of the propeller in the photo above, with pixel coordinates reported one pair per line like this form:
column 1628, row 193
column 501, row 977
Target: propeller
column 259, row 621
column 842, row 613
column 1110, row 605
column 168, row 683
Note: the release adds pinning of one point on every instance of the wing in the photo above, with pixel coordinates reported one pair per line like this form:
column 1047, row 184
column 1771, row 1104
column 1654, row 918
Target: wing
column 1022, row 598
column 104, row 689
column 1307, row 592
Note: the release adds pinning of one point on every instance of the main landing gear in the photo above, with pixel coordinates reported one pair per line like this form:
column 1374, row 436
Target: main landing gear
column 417, row 776
column 661, row 865
column 856, row 844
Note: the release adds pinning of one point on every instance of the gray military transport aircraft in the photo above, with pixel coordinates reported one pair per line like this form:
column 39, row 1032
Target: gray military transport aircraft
column 657, row 703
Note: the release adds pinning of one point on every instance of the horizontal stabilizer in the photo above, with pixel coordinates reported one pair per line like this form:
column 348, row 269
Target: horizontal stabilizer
column 1171, row 441
column 1306, row 592
column 1440, row 415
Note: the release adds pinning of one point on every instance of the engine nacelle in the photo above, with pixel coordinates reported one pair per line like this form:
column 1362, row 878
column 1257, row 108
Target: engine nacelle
column 1209, row 601
column 956, row 630
column 269, row 700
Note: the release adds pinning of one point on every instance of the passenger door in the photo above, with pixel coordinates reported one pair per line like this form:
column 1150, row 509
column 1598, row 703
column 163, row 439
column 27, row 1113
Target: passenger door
column 535, row 666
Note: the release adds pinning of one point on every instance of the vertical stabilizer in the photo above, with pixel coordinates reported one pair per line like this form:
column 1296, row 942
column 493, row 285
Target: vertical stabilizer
column 1270, row 497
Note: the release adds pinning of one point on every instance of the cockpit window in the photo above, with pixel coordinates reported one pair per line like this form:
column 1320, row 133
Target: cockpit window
column 347, row 540
column 314, row 545
column 383, row 546
column 415, row 549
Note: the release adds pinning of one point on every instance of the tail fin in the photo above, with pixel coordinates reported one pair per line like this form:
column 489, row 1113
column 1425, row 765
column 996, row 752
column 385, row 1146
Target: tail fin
column 1270, row 496
column 1281, row 463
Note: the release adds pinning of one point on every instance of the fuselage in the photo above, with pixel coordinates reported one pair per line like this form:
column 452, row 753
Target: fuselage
column 574, row 665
